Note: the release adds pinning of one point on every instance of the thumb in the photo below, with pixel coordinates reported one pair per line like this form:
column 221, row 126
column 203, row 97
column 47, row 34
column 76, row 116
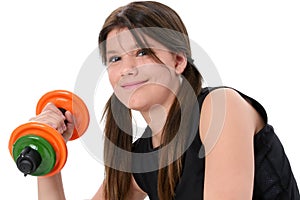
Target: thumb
column 70, row 126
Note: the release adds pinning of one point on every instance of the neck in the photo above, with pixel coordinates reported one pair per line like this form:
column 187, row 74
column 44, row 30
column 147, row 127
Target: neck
column 156, row 118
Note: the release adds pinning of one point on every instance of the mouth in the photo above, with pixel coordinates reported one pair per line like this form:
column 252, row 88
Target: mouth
column 133, row 85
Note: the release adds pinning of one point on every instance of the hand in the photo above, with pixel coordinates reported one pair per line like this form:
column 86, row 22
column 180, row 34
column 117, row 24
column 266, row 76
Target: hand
column 53, row 117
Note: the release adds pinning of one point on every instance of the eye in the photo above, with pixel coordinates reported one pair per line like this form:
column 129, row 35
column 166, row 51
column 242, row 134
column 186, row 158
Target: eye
column 143, row 52
column 114, row 59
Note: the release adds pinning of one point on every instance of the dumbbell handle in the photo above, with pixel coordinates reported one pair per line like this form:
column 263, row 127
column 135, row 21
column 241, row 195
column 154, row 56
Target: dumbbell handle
column 63, row 112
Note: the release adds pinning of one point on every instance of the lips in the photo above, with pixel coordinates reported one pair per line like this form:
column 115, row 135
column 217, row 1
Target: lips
column 133, row 84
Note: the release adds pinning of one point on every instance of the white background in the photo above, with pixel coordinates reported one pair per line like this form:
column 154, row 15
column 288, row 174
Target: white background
column 255, row 46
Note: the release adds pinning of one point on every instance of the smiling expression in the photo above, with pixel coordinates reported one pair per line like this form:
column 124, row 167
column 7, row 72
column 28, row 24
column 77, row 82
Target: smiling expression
column 138, row 79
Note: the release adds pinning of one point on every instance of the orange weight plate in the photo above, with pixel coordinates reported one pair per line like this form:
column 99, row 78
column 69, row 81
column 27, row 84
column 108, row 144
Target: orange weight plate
column 71, row 102
column 48, row 133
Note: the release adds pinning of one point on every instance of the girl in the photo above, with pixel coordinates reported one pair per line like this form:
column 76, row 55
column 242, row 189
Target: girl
column 200, row 143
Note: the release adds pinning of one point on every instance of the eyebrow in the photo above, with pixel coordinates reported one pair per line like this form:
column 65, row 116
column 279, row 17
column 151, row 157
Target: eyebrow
column 133, row 47
column 111, row 52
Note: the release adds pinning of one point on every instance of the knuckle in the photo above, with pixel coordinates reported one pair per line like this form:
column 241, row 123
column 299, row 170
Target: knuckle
column 47, row 112
column 53, row 125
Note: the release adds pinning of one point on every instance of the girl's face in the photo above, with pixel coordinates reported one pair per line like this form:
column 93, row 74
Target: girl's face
column 138, row 80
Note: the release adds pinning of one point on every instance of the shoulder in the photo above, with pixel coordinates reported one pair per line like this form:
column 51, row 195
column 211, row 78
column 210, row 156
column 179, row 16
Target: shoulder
column 227, row 126
column 223, row 109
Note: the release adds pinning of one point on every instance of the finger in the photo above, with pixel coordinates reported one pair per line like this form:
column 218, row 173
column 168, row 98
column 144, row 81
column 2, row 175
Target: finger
column 69, row 117
column 61, row 126
column 68, row 134
column 70, row 126
column 52, row 119
column 52, row 107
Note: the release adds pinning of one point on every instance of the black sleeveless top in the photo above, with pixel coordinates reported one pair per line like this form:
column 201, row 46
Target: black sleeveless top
column 273, row 178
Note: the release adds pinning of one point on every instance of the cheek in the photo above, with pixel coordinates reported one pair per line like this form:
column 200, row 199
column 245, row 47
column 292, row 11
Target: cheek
column 113, row 78
column 112, row 82
column 166, row 78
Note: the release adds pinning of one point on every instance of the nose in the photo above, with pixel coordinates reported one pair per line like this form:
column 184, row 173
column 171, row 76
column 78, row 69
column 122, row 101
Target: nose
column 129, row 66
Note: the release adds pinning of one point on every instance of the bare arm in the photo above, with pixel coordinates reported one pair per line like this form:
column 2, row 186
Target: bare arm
column 51, row 188
column 228, row 124
column 135, row 193
column 100, row 194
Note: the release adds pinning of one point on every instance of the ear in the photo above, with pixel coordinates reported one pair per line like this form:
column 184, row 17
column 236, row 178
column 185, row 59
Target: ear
column 180, row 63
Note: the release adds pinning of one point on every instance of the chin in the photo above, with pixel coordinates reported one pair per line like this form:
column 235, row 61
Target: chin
column 137, row 106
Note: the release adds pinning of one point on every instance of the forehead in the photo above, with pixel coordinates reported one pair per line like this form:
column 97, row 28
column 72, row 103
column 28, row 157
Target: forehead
column 122, row 40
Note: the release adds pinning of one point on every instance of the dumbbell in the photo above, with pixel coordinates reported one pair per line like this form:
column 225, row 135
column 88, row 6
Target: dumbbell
column 37, row 148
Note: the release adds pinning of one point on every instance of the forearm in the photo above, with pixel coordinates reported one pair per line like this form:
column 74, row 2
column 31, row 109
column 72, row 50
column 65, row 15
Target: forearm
column 51, row 188
column 100, row 194
column 133, row 195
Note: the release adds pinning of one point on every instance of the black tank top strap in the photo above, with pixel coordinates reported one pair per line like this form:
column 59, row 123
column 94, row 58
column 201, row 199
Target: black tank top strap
column 258, row 107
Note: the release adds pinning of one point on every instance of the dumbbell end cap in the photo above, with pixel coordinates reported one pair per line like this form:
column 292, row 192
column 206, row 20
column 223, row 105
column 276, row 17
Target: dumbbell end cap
column 28, row 161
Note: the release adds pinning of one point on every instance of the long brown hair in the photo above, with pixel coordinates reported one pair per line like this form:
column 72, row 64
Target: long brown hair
column 140, row 15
